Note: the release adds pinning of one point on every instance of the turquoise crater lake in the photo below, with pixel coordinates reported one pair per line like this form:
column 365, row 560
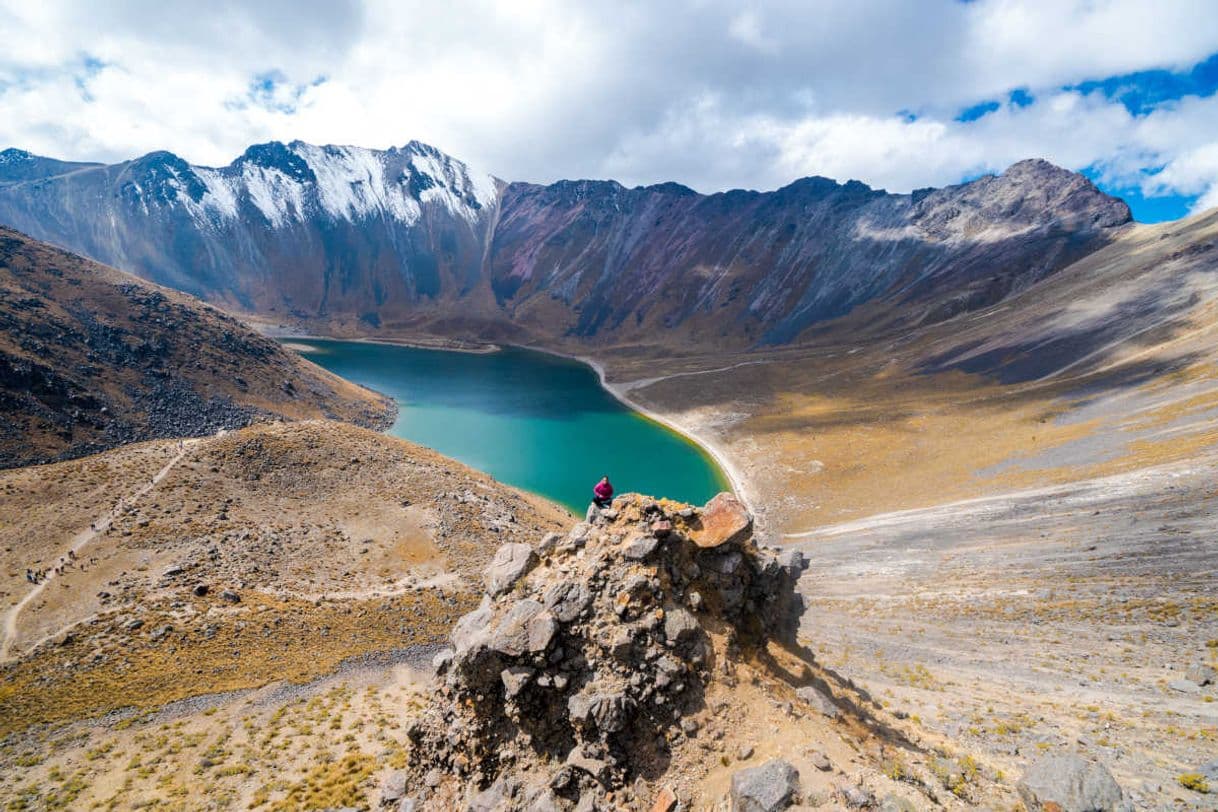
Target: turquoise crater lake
column 533, row 420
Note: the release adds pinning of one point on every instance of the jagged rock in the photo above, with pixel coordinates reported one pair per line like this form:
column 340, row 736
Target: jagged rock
column 200, row 590
column 680, row 627
column 817, row 701
column 640, row 547
column 1069, row 783
column 856, row 797
column 724, row 520
column 514, row 679
column 230, row 596
column 1184, row 686
column 528, row 626
column 393, row 788
column 744, row 752
column 665, row 801
column 661, row 528
column 769, row 788
column 601, row 708
column 441, row 661
column 567, row 600
column 544, row 801
column 497, row 797
column 595, row 767
column 820, row 761
column 511, row 563
column 548, row 542
column 593, row 662
column 471, row 628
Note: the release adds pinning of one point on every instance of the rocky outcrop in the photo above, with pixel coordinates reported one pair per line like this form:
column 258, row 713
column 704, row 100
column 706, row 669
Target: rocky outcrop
column 570, row 683
column 411, row 239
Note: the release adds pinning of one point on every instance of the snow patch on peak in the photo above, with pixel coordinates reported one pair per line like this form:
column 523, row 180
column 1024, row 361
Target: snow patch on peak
column 351, row 183
column 452, row 184
column 280, row 198
column 219, row 200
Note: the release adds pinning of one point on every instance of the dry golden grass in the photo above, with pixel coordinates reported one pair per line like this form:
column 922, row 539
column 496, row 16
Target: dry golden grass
column 282, row 639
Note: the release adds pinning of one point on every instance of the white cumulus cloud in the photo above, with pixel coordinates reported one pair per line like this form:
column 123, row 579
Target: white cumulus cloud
column 697, row 91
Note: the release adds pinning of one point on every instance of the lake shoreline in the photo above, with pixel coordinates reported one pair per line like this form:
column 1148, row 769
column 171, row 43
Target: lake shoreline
column 620, row 391
column 716, row 475
column 286, row 334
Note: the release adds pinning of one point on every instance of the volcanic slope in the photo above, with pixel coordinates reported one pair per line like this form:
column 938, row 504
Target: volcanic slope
column 1010, row 515
column 665, row 667
column 91, row 358
column 353, row 241
column 269, row 553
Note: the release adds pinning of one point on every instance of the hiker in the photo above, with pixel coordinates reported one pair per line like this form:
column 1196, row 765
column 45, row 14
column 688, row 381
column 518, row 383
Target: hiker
column 602, row 494
column 29, row 575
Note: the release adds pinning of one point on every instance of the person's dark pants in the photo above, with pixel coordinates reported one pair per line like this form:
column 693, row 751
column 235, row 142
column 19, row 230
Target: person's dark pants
column 602, row 503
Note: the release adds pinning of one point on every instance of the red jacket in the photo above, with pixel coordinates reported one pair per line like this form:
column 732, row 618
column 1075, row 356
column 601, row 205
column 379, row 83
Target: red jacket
column 603, row 490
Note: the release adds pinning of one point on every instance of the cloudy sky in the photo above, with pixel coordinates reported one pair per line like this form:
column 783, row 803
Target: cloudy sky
column 712, row 94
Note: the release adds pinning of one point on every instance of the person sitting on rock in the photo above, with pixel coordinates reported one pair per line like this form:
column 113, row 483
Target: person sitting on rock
column 602, row 493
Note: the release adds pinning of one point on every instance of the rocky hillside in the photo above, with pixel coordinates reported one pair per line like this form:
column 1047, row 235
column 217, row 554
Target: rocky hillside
column 355, row 240
column 272, row 552
column 91, row 358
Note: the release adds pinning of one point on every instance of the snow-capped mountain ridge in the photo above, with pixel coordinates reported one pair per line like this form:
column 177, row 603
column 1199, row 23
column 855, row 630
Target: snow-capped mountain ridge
column 288, row 183
column 406, row 236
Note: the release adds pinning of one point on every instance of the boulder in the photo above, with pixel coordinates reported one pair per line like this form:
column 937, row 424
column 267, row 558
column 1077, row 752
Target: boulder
column 514, row 679
column 548, row 542
column 1069, row 783
column 665, row 801
column 680, row 627
column 856, row 797
column 471, row 628
column 511, row 563
column 567, row 599
column 600, row 708
column 640, row 547
column 393, row 788
column 1200, row 674
column 816, row 700
column 724, row 520
column 527, row 627
column 497, row 797
column 769, row 788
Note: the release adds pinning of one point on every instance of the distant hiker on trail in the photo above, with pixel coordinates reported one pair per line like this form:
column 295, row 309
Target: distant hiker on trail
column 602, row 494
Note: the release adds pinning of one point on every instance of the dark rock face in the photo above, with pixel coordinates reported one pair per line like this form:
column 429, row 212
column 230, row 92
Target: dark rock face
column 412, row 238
column 570, row 684
column 91, row 358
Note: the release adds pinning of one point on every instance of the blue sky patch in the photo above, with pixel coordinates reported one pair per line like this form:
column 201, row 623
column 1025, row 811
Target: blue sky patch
column 1142, row 92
